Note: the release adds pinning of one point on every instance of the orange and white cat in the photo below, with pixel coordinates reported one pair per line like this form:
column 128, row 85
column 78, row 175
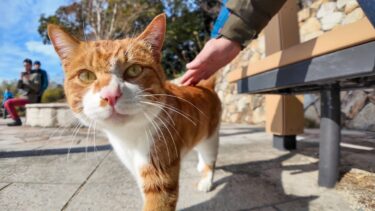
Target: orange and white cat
column 150, row 122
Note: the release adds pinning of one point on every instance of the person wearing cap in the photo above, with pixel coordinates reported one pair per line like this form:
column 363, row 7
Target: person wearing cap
column 246, row 19
column 29, row 85
column 44, row 78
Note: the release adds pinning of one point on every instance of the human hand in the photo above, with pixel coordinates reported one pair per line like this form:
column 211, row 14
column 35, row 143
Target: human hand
column 215, row 54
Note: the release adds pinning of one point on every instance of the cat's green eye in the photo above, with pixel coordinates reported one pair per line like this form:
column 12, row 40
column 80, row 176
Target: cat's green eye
column 133, row 71
column 87, row 76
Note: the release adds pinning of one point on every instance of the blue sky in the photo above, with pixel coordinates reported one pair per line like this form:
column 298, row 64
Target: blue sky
column 20, row 39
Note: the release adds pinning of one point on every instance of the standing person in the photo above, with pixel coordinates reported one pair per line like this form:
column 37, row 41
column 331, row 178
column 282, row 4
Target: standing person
column 44, row 78
column 247, row 18
column 6, row 96
column 29, row 84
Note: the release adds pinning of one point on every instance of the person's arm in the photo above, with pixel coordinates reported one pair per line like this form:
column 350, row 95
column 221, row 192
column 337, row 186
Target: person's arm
column 34, row 83
column 247, row 19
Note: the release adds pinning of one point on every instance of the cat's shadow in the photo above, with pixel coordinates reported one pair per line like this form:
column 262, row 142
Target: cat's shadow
column 256, row 186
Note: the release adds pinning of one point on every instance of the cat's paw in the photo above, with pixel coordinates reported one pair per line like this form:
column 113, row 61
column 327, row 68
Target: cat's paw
column 205, row 185
column 200, row 166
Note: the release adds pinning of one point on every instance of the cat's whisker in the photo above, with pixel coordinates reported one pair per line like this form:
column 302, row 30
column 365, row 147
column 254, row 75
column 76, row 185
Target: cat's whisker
column 157, row 128
column 170, row 134
column 72, row 138
column 95, row 149
column 180, row 98
column 170, row 108
column 74, row 134
column 149, row 135
column 168, row 115
column 87, row 138
column 65, row 126
column 174, row 128
column 56, row 130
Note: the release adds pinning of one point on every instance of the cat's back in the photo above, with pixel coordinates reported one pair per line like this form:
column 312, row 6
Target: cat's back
column 202, row 104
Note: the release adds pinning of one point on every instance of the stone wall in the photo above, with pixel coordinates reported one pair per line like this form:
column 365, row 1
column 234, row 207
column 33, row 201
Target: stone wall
column 49, row 115
column 315, row 18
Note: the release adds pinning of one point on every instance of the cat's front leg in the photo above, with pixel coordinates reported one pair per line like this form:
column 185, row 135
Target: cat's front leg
column 160, row 187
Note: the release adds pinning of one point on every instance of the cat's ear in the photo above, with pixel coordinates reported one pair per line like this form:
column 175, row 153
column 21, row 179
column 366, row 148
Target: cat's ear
column 154, row 35
column 63, row 42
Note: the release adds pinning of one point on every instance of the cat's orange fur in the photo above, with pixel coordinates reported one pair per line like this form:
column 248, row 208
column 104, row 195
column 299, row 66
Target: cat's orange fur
column 200, row 105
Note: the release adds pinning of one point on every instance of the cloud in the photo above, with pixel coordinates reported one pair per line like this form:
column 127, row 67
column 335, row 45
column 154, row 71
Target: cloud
column 19, row 38
column 39, row 47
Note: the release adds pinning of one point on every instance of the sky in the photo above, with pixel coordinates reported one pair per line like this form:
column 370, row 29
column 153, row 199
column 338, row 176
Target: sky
column 19, row 37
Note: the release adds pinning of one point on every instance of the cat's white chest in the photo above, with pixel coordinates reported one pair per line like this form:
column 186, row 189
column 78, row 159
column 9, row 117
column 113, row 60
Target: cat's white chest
column 132, row 149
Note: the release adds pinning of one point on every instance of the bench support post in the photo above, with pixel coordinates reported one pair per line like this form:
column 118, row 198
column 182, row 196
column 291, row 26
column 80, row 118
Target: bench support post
column 284, row 114
column 330, row 136
column 284, row 142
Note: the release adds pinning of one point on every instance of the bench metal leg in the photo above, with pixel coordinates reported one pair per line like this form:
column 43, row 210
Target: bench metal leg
column 330, row 136
column 284, row 142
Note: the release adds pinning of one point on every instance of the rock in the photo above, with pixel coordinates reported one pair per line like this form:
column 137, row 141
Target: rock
column 350, row 6
column 326, row 9
column 311, row 36
column 371, row 97
column 243, row 103
column 255, row 57
column 354, row 16
column 261, row 44
column 363, row 120
column 235, row 118
column 309, row 100
column 304, row 14
column 341, row 4
column 227, row 99
column 316, row 4
column 353, row 103
column 312, row 117
column 259, row 115
column 257, row 101
column 329, row 21
column 311, row 25
column 231, row 108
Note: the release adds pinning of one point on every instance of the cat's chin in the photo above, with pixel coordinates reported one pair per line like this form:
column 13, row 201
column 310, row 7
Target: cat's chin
column 116, row 118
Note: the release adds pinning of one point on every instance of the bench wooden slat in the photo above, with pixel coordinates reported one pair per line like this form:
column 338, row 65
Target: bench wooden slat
column 350, row 67
column 340, row 38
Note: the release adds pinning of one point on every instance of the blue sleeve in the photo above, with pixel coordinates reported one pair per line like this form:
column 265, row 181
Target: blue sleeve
column 220, row 21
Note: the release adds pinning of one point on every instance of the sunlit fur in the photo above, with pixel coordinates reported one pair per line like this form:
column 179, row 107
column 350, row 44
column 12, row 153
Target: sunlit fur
column 153, row 122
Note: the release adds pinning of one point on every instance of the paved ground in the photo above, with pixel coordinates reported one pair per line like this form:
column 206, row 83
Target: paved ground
column 37, row 174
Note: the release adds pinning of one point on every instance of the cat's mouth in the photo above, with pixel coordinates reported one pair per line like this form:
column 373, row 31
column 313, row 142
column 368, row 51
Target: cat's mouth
column 116, row 115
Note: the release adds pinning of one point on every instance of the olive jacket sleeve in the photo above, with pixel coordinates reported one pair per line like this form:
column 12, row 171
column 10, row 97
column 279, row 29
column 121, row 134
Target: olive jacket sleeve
column 248, row 18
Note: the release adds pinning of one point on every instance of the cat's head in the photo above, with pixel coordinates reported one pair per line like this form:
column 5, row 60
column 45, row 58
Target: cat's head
column 111, row 81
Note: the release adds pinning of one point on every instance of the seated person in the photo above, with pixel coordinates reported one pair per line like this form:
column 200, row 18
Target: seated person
column 29, row 84
column 6, row 96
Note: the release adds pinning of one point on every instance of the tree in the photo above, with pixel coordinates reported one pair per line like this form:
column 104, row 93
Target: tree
column 54, row 93
column 101, row 19
column 189, row 24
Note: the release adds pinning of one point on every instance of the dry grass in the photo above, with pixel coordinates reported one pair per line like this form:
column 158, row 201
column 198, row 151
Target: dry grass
column 359, row 187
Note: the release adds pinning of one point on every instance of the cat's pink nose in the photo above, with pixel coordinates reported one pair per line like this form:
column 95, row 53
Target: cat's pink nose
column 111, row 96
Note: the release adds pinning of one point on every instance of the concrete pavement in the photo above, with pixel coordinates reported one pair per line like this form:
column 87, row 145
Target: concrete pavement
column 250, row 174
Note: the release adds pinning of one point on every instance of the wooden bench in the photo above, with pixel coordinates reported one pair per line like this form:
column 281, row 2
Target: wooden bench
column 341, row 59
